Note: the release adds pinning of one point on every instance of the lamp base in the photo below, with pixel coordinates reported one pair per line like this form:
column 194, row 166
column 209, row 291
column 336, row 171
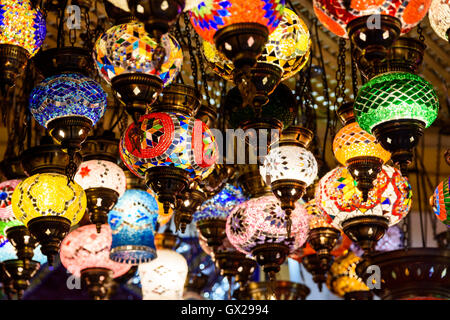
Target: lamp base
column 22, row 240
column 177, row 98
column 20, row 274
column 283, row 290
column 99, row 202
column 364, row 171
column 188, row 203
column 70, row 132
column 49, row 231
column 13, row 60
column 365, row 231
column 317, row 267
column 242, row 43
column 228, row 262
column 98, row 282
column 137, row 91
column 400, row 137
column 323, row 240
column 213, row 230
column 271, row 256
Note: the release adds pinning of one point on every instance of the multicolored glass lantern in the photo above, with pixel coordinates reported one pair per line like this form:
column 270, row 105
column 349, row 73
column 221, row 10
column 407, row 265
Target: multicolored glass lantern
column 6, row 190
column 359, row 151
column 133, row 221
column 104, row 182
column 364, row 221
column 439, row 16
column 171, row 142
column 48, row 204
column 288, row 47
column 441, row 201
column 396, row 107
column 22, row 33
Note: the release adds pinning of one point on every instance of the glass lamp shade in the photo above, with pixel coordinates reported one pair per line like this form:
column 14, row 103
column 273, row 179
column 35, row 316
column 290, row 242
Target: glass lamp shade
column 84, row 248
column 22, row 25
column 439, row 16
column 101, row 174
column 261, row 220
column 165, row 139
column 342, row 277
column 128, row 48
column 66, row 95
column 8, row 252
column 317, row 218
column 441, row 201
column 351, row 142
column 288, row 47
column 395, row 96
column 48, row 194
column 133, row 221
column 6, row 190
column 164, row 277
column 289, row 163
column 221, row 204
column 212, row 15
column 392, row 240
column 336, row 14
column 339, row 199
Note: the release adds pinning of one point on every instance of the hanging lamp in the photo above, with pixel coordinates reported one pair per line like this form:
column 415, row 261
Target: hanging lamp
column 439, row 17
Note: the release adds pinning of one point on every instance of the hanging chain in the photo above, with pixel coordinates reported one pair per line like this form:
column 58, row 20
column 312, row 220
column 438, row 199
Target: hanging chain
column 420, row 33
column 202, row 69
column 340, row 75
column 194, row 66
column 354, row 71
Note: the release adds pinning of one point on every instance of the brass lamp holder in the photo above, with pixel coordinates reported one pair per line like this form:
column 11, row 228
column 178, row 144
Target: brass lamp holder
column 252, row 184
column 283, row 290
column 228, row 262
column 20, row 274
column 98, row 281
column 101, row 147
column 166, row 240
column 323, row 240
column 137, row 91
column 24, row 243
column 13, row 60
column 373, row 35
column 400, row 137
column 213, row 230
column 245, row 270
column 217, row 179
column 270, row 256
column 177, row 98
column 365, row 230
column 364, row 171
column 317, row 267
column 6, row 281
column 49, row 231
column 99, row 202
column 188, row 203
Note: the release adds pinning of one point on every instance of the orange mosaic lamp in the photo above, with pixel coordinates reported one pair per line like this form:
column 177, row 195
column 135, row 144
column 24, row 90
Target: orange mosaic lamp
column 358, row 150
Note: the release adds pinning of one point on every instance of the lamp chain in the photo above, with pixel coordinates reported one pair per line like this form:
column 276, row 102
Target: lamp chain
column 202, row 69
column 194, row 66
column 420, row 33
column 340, row 74
column 354, row 71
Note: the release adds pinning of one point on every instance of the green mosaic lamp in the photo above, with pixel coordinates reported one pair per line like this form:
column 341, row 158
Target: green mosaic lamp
column 396, row 107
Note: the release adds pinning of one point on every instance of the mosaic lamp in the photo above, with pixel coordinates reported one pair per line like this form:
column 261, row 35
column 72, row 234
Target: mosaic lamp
column 164, row 277
column 22, row 32
column 440, row 201
column 85, row 253
column 364, row 222
column 371, row 26
column 289, row 168
column 212, row 215
column 104, row 182
column 48, row 205
column 259, row 227
column 439, row 16
column 133, row 222
column 137, row 67
column 359, row 151
column 6, row 190
column 238, row 28
column 396, row 107
column 68, row 105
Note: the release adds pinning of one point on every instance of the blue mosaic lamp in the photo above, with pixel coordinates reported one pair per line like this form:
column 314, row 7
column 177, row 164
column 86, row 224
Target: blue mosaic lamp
column 212, row 216
column 133, row 222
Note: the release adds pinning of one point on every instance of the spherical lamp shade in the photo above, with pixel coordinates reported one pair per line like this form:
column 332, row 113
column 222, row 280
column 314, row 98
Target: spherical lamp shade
column 291, row 163
column 164, row 277
column 128, row 48
column 261, row 220
column 212, row 15
column 84, row 248
column 22, row 25
column 441, row 205
column 336, row 14
column 169, row 140
column 101, row 174
column 338, row 197
column 133, row 221
column 221, row 204
column 6, row 190
column 439, row 16
column 67, row 95
column 395, row 96
column 48, row 194
column 352, row 142
column 288, row 47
